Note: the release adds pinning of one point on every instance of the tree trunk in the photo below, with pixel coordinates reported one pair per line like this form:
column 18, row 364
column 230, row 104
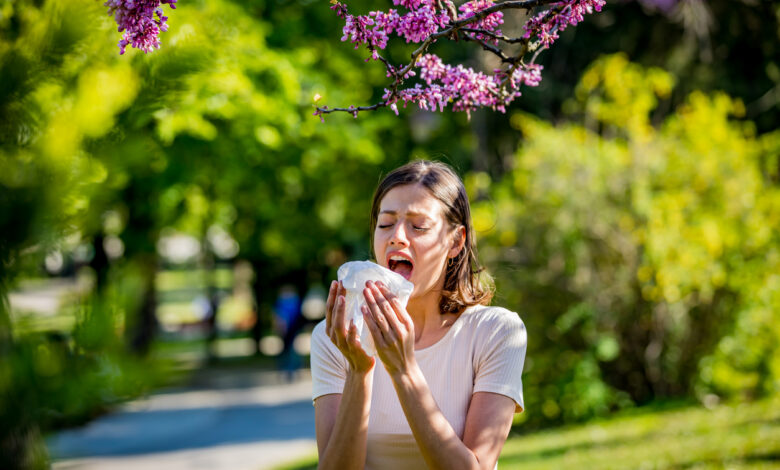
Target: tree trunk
column 145, row 326
column 99, row 263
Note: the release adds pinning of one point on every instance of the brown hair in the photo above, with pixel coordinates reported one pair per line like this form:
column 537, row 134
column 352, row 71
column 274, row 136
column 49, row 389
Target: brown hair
column 463, row 279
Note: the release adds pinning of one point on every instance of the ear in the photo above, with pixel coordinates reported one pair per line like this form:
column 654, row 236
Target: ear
column 458, row 241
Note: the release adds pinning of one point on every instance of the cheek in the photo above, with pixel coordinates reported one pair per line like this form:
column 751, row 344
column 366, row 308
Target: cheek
column 434, row 257
column 378, row 247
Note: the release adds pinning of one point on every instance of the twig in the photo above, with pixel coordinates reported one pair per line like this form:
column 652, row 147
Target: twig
column 495, row 50
column 493, row 35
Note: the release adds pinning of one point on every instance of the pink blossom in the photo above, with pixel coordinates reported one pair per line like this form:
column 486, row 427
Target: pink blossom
column 488, row 23
column 431, row 68
column 546, row 25
column 417, row 25
column 440, row 84
column 136, row 18
column 529, row 75
column 412, row 5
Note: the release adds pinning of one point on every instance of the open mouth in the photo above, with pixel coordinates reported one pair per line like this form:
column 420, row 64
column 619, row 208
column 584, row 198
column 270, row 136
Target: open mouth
column 400, row 265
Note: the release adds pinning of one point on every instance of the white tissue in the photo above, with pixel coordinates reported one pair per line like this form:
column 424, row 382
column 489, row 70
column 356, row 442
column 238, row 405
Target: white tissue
column 353, row 275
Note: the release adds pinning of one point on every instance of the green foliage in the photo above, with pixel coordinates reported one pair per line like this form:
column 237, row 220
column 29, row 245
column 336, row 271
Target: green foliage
column 48, row 382
column 216, row 126
column 52, row 98
column 642, row 259
column 726, row 436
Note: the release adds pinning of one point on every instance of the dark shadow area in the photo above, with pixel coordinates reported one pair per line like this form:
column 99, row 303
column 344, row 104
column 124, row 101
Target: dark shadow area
column 750, row 458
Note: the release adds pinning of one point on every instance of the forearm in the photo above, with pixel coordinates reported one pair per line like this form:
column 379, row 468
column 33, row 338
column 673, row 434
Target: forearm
column 346, row 448
column 439, row 444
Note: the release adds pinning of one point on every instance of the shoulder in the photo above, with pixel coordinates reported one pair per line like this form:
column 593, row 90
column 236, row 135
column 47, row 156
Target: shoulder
column 491, row 317
column 319, row 329
column 488, row 325
column 319, row 339
column 323, row 351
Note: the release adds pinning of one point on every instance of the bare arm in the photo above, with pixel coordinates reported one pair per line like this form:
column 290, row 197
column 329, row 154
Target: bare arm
column 342, row 430
column 489, row 416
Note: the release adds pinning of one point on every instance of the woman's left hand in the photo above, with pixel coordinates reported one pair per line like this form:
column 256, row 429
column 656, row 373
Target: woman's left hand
column 391, row 327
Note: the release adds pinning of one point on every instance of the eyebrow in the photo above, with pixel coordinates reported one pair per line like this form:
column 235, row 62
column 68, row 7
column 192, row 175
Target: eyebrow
column 411, row 213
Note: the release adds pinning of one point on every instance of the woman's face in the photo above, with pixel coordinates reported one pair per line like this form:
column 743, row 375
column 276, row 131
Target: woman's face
column 413, row 238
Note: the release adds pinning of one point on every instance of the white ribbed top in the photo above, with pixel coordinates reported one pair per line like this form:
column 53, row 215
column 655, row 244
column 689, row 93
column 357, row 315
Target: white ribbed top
column 483, row 351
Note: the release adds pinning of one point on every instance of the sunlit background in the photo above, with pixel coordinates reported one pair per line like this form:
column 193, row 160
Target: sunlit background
column 169, row 223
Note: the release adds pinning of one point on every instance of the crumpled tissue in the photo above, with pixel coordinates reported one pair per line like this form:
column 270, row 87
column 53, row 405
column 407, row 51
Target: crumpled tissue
column 353, row 275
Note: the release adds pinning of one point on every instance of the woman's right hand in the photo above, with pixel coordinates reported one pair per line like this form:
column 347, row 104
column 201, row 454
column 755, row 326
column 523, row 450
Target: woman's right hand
column 345, row 336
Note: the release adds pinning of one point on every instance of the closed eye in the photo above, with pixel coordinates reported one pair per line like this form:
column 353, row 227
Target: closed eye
column 415, row 227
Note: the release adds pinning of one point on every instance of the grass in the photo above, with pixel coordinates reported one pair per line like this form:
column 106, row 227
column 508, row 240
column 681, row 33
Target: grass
column 739, row 436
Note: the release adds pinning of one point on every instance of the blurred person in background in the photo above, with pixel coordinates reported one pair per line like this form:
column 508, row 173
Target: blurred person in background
column 289, row 321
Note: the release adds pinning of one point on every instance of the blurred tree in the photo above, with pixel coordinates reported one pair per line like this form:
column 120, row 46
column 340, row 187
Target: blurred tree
column 213, row 130
column 634, row 253
column 53, row 99
column 717, row 45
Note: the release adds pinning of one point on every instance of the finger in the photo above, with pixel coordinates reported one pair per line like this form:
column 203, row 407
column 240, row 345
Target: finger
column 357, row 347
column 395, row 303
column 373, row 328
column 386, row 309
column 339, row 327
column 353, row 339
column 341, row 294
column 329, row 306
column 341, row 289
column 377, row 315
column 352, row 335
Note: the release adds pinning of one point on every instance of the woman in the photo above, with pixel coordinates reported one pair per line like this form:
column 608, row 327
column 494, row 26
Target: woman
column 449, row 383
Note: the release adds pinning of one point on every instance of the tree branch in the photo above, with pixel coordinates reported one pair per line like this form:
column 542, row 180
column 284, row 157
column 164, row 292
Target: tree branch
column 493, row 35
column 481, row 36
column 490, row 48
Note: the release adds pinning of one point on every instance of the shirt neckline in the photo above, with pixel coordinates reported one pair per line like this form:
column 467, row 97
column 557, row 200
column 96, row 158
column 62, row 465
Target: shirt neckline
column 447, row 334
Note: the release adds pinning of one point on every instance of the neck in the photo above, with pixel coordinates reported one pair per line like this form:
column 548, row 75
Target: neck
column 425, row 313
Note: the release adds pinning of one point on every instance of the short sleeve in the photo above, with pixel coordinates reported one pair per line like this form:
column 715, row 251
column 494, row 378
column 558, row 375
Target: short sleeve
column 328, row 365
column 501, row 355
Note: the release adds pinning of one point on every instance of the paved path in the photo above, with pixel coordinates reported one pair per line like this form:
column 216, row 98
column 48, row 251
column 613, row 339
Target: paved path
column 234, row 421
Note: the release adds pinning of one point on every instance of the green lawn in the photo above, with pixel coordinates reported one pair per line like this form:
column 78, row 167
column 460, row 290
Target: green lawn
column 742, row 436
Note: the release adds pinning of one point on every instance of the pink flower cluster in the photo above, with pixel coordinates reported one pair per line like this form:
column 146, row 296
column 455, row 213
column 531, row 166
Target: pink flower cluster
column 373, row 29
column 440, row 84
column 529, row 75
column 137, row 19
column 357, row 29
column 546, row 25
column 489, row 23
column 466, row 89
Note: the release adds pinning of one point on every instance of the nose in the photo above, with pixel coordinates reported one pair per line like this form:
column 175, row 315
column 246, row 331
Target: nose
column 398, row 236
